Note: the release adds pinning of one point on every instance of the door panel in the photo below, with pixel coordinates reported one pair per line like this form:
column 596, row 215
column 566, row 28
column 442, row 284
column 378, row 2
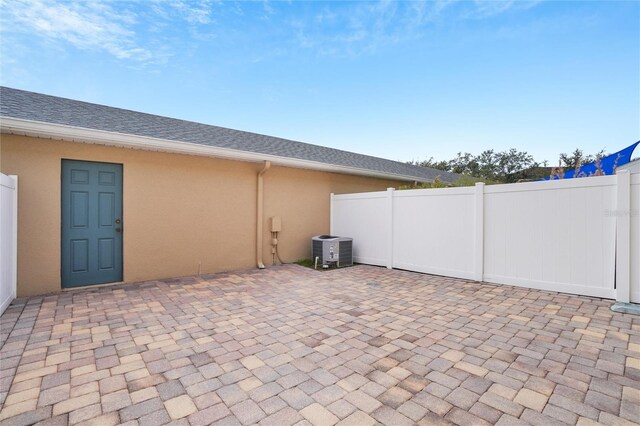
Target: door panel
column 79, row 209
column 106, row 254
column 106, row 210
column 79, row 256
column 91, row 223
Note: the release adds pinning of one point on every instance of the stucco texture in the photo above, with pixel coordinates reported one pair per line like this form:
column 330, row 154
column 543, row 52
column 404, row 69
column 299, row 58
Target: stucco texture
column 182, row 214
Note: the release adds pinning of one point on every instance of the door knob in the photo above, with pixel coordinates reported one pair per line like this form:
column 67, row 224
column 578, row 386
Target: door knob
column 117, row 220
column 118, row 230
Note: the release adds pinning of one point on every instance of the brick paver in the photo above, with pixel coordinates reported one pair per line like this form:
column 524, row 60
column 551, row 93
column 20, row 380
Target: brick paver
column 288, row 345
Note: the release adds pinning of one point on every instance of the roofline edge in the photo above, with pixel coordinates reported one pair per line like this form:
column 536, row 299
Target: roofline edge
column 64, row 132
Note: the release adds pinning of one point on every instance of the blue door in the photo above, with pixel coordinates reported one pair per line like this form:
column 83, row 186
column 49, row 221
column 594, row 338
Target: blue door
column 91, row 223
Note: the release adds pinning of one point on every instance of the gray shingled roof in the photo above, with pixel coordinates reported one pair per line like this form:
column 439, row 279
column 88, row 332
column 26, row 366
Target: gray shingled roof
column 55, row 110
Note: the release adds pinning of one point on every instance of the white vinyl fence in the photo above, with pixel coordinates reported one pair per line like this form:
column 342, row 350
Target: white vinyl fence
column 8, row 239
column 634, row 243
column 574, row 236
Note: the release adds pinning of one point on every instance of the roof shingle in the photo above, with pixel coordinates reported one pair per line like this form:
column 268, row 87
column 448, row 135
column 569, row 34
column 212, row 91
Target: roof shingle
column 38, row 107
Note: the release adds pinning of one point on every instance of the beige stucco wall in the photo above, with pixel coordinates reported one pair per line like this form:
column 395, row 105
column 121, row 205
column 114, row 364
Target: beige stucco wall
column 181, row 213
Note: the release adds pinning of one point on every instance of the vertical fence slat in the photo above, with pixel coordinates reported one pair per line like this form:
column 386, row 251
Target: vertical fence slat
column 634, row 253
column 331, row 215
column 14, row 266
column 8, row 239
column 14, row 275
column 390, row 192
column 478, row 270
column 623, row 234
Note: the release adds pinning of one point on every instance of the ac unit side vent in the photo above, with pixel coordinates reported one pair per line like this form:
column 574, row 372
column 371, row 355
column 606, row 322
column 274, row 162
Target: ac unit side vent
column 346, row 253
column 316, row 250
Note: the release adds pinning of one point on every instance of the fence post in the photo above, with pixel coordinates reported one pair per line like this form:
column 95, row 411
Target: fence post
column 14, row 237
column 478, row 267
column 390, row 192
column 331, row 212
column 623, row 236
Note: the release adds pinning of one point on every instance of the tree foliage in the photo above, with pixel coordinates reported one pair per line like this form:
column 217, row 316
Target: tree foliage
column 504, row 167
column 577, row 158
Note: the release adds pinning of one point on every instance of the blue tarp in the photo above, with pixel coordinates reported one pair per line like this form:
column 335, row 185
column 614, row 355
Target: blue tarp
column 607, row 165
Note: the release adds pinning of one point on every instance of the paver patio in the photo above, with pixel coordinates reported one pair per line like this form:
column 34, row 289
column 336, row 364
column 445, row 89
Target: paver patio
column 287, row 345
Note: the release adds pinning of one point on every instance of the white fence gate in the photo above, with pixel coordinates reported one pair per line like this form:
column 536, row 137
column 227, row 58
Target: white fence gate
column 8, row 239
column 566, row 235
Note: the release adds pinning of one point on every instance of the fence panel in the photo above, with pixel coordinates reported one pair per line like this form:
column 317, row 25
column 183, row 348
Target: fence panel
column 8, row 242
column 365, row 218
column 635, row 238
column 433, row 231
column 557, row 236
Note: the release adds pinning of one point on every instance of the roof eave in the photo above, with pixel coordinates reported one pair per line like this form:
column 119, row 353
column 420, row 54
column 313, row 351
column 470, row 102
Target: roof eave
column 41, row 129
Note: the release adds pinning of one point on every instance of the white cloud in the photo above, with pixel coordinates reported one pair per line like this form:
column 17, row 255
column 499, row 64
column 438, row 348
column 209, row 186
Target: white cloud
column 268, row 9
column 194, row 12
column 111, row 27
column 352, row 29
column 152, row 31
column 489, row 8
column 85, row 25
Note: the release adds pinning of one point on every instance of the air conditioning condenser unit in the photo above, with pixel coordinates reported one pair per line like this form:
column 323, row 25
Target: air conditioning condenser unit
column 329, row 250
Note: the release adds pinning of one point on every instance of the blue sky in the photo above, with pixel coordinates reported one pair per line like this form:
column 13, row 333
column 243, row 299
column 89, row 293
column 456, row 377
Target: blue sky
column 401, row 80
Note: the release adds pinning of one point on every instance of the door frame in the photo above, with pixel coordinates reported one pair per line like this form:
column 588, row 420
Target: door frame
column 121, row 277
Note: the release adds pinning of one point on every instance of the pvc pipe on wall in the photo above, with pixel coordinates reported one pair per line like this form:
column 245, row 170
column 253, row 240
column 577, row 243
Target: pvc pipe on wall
column 259, row 214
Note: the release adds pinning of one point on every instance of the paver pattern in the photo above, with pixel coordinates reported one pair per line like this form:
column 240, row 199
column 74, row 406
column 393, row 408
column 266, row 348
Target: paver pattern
column 289, row 345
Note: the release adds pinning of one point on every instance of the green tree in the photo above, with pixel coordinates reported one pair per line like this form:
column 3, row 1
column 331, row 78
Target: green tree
column 512, row 164
column 577, row 158
column 432, row 164
column 506, row 166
